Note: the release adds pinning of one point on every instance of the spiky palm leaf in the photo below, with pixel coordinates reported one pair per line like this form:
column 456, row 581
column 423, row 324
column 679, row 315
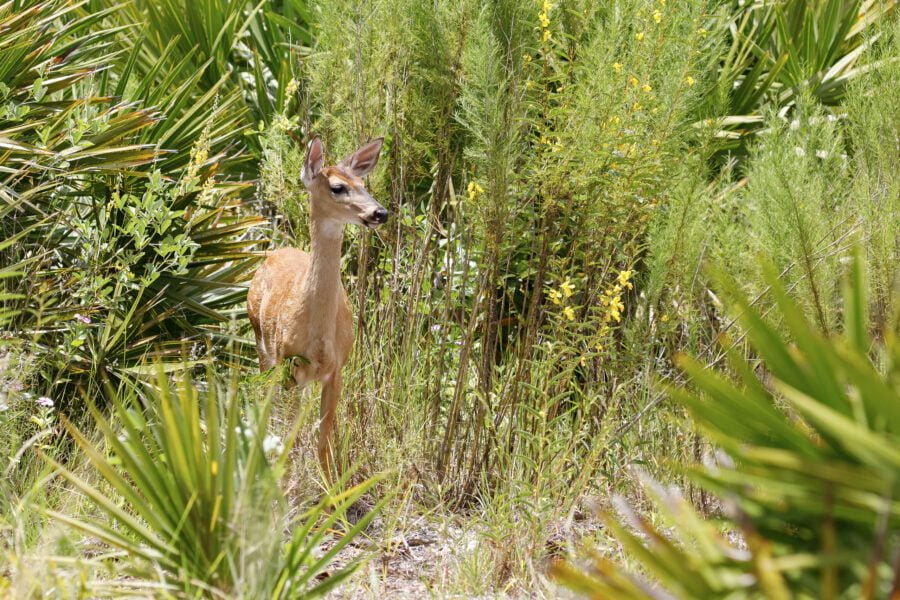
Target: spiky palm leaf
column 146, row 240
column 189, row 484
column 815, row 476
column 777, row 50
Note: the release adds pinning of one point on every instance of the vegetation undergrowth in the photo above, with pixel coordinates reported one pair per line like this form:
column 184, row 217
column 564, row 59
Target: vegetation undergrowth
column 558, row 174
column 807, row 474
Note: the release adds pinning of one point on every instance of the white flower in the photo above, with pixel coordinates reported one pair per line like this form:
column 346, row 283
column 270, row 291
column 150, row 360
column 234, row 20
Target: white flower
column 45, row 401
column 821, row 153
column 795, row 125
column 272, row 443
column 799, row 151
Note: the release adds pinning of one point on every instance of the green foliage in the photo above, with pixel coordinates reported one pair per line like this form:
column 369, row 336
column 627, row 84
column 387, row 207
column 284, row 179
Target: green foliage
column 191, row 491
column 873, row 131
column 557, row 173
column 521, row 154
column 774, row 53
column 118, row 255
column 811, row 475
column 248, row 52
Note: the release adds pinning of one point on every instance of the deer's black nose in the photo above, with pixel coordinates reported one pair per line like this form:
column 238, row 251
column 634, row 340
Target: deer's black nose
column 380, row 215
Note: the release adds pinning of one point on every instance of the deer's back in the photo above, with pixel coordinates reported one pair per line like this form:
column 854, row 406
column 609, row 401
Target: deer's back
column 273, row 293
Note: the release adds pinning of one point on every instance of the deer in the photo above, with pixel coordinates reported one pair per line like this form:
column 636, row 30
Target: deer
column 297, row 303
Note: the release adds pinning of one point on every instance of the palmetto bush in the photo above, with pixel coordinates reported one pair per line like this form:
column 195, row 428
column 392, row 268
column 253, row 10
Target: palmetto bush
column 191, row 494
column 122, row 245
column 809, row 478
column 772, row 52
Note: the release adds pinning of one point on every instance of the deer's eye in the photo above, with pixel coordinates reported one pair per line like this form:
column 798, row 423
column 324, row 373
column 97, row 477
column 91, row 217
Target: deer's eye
column 338, row 188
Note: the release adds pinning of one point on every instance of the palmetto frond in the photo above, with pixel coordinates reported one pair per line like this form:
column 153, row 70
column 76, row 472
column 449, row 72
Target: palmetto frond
column 811, row 480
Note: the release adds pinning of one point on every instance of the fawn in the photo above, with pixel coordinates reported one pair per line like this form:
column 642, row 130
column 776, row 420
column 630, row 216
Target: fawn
column 297, row 303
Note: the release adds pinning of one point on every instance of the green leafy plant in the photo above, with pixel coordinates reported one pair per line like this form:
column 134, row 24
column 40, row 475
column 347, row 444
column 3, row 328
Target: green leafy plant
column 776, row 50
column 192, row 491
column 810, row 479
column 110, row 254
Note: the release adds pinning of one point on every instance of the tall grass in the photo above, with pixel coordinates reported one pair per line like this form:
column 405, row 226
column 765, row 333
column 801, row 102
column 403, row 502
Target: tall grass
column 559, row 176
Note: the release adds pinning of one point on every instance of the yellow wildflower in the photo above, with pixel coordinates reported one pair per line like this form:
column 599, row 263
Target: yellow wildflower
column 526, row 59
column 633, row 81
column 617, row 67
column 567, row 288
column 657, row 16
column 624, row 277
column 647, row 87
column 547, row 35
column 639, row 36
column 664, row 318
column 689, row 80
column 636, row 107
column 474, row 190
column 702, row 32
column 568, row 313
column 555, row 296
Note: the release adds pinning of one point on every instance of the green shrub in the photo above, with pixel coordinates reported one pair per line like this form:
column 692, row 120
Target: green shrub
column 192, row 496
column 809, row 480
column 109, row 255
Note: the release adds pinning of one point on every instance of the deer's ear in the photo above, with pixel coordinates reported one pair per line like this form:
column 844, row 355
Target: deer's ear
column 361, row 162
column 315, row 160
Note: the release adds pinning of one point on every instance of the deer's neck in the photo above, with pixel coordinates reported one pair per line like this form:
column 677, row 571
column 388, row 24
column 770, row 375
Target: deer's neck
column 320, row 291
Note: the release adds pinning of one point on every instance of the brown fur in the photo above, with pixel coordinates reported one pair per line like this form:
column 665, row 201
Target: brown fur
column 297, row 304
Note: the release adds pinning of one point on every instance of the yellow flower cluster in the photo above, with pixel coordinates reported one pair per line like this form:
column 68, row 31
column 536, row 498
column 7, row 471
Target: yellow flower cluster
column 544, row 18
column 559, row 296
column 612, row 307
column 474, row 190
column 612, row 298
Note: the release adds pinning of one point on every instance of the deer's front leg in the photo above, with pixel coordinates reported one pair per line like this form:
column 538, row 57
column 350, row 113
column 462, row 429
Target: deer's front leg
column 328, row 439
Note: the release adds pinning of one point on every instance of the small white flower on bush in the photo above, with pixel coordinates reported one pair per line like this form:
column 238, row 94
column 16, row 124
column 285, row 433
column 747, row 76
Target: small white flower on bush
column 45, row 401
column 272, row 443
column 799, row 151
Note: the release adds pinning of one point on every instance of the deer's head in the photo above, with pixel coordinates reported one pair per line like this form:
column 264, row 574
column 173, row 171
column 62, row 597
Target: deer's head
column 338, row 193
